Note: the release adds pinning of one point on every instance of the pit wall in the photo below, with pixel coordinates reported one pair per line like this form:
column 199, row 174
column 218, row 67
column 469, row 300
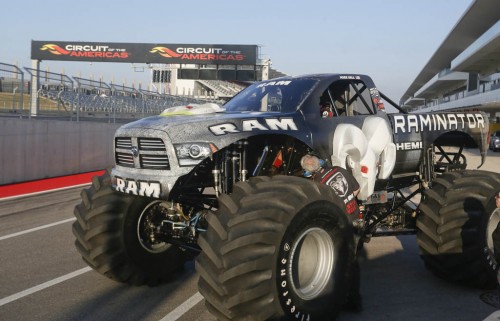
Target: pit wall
column 36, row 149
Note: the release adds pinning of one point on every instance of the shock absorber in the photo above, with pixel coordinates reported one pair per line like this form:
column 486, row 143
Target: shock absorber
column 227, row 172
column 216, row 174
column 427, row 167
column 243, row 160
column 234, row 165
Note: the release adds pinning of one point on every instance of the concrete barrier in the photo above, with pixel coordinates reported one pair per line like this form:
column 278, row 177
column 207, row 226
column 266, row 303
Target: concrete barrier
column 35, row 149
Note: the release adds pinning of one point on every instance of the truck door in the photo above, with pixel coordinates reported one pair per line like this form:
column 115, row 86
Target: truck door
column 357, row 134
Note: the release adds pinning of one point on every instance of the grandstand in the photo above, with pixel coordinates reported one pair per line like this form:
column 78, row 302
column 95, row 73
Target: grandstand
column 92, row 98
column 62, row 95
column 169, row 80
column 223, row 90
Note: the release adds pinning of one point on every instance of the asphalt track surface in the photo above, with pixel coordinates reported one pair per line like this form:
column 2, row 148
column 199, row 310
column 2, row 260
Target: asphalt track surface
column 42, row 277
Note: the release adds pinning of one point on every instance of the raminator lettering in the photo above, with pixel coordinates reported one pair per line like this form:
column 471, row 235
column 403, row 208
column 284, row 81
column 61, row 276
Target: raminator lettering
column 431, row 122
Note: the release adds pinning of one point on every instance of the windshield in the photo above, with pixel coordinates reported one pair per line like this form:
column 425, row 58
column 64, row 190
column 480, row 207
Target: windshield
column 272, row 96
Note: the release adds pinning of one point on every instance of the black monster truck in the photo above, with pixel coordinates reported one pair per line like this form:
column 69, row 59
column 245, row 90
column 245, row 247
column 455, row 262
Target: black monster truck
column 227, row 182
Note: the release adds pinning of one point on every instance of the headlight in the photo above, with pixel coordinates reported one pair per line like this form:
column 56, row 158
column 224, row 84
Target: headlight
column 190, row 154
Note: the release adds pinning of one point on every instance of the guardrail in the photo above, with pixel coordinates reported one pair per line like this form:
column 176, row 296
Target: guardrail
column 61, row 95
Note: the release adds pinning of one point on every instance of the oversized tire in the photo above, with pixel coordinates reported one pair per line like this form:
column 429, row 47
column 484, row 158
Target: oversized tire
column 110, row 236
column 455, row 225
column 277, row 247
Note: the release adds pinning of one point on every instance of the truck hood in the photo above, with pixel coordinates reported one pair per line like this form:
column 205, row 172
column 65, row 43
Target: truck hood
column 215, row 125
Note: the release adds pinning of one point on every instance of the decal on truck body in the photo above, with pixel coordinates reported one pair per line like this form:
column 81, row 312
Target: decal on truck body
column 409, row 146
column 274, row 83
column 434, row 122
column 141, row 188
column 254, row 124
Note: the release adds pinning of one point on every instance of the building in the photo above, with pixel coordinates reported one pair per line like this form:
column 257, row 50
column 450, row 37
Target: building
column 464, row 72
column 166, row 79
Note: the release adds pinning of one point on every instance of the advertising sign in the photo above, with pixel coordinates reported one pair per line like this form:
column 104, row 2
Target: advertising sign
column 144, row 52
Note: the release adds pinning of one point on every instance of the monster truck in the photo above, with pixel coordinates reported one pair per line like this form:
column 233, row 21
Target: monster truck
column 226, row 182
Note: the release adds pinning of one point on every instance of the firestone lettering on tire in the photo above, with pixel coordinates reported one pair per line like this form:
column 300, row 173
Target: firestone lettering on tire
column 285, row 291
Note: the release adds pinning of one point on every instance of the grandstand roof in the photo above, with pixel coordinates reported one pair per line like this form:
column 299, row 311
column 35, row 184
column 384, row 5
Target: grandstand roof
column 476, row 20
column 273, row 73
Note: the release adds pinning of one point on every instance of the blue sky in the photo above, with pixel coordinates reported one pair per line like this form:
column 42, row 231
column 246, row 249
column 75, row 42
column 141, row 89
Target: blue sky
column 390, row 40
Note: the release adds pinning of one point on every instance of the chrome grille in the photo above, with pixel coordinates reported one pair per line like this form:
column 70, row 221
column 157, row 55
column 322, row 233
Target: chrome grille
column 150, row 153
column 152, row 144
column 123, row 142
column 125, row 159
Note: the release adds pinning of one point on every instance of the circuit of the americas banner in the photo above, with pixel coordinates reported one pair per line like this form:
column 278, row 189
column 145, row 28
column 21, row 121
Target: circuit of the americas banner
column 144, row 52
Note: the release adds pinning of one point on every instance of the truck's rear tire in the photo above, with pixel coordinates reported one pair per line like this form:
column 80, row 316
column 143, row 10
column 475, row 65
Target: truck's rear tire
column 107, row 236
column 280, row 246
column 455, row 225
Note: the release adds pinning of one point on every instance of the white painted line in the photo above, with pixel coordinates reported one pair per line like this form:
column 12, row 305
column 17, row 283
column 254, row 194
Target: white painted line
column 183, row 308
column 43, row 286
column 36, row 229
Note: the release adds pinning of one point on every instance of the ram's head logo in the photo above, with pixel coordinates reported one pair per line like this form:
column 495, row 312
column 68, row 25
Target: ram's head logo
column 134, row 151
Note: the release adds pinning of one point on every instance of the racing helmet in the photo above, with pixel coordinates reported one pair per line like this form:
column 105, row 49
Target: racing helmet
column 274, row 99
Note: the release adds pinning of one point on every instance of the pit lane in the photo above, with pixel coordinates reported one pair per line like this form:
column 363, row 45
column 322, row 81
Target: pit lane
column 42, row 277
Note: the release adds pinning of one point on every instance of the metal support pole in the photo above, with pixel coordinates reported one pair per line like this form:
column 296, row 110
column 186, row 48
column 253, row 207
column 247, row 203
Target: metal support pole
column 35, row 79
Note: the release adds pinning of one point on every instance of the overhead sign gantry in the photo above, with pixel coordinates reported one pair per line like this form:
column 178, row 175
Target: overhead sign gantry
column 192, row 55
column 196, row 61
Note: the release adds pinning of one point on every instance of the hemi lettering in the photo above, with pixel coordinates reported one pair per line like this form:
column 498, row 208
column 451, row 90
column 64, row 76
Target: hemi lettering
column 409, row 146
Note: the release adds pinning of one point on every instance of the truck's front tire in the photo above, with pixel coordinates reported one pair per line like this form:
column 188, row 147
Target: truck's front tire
column 108, row 230
column 455, row 225
column 276, row 247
